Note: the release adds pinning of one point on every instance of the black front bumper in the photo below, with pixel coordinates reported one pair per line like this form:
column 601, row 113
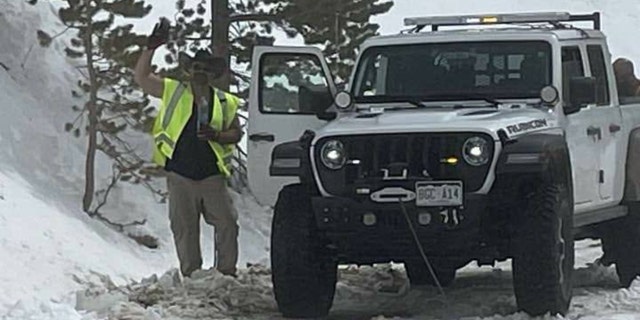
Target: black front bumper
column 451, row 233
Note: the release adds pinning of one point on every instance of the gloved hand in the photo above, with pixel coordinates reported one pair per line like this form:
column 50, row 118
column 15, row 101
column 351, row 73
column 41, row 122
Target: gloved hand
column 160, row 34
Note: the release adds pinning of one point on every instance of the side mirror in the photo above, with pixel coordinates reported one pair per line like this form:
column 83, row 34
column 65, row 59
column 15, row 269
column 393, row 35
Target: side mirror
column 582, row 92
column 316, row 100
column 343, row 100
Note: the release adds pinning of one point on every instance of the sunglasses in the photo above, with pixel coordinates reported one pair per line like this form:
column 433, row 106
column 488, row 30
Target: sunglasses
column 203, row 67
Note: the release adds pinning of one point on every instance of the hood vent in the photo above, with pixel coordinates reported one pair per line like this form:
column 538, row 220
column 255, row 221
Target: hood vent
column 480, row 112
column 368, row 115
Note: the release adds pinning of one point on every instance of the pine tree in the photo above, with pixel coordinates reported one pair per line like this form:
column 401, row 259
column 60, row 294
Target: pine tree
column 113, row 103
column 338, row 26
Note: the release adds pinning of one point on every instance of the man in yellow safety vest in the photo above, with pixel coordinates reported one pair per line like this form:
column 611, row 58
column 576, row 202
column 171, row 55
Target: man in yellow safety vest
column 194, row 136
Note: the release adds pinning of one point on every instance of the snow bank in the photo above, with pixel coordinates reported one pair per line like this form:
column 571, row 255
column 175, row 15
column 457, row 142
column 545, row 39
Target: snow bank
column 47, row 253
column 209, row 294
column 205, row 294
column 380, row 292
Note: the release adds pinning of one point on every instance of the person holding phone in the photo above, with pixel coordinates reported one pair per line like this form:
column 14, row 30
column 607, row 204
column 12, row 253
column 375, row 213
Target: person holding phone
column 194, row 136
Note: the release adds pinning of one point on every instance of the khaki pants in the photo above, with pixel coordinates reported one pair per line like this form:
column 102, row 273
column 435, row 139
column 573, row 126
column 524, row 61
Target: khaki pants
column 188, row 199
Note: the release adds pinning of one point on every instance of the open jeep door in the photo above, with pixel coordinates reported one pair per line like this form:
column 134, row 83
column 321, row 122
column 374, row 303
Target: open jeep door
column 290, row 88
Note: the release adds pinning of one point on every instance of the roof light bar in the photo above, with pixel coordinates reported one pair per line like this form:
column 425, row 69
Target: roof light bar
column 533, row 17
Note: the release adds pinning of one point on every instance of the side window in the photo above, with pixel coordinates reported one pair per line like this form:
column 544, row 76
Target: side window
column 599, row 71
column 293, row 84
column 571, row 68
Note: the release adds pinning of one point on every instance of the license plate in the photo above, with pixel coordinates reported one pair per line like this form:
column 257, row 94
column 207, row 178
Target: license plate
column 439, row 194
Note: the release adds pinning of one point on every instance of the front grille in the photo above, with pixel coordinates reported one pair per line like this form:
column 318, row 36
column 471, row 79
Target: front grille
column 420, row 155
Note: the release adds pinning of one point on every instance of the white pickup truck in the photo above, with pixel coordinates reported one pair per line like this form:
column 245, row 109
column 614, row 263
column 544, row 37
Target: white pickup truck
column 507, row 141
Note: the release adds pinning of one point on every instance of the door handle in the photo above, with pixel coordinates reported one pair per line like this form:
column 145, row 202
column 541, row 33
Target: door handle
column 614, row 128
column 594, row 131
column 262, row 137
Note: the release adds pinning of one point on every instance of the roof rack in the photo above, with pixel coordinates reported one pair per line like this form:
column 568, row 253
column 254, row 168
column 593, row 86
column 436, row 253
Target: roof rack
column 553, row 18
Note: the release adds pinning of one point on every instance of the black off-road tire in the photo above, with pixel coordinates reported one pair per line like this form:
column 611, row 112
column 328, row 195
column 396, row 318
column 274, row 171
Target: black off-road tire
column 419, row 274
column 304, row 274
column 543, row 245
column 621, row 242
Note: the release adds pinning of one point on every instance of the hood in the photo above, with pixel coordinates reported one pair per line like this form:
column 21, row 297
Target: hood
column 489, row 120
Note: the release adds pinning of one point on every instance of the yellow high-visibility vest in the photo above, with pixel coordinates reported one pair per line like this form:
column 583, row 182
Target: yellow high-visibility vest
column 175, row 111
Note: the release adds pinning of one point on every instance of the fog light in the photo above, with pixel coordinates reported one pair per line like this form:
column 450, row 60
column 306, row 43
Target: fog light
column 424, row 218
column 369, row 219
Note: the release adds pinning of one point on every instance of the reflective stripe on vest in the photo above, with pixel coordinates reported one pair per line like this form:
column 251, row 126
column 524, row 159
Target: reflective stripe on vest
column 223, row 153
column 164, row 138
column 172, row 105
column 168, row 114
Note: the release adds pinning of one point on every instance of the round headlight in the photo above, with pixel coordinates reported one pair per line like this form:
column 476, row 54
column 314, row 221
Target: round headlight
column 476, row 151
column 333, row 155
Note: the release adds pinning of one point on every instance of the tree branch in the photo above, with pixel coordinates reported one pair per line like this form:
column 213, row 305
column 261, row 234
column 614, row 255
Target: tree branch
column 257, row 17
column 26, row 56
column 61, row 32
column 127, row 163
column 95, row 213
column 114, row 179
column 241, row 76
column 198, row 38
column 79, row 117
column 118, row 226
column 81, row 72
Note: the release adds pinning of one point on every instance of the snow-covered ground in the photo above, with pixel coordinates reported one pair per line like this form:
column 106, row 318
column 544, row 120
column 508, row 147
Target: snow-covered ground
column 380, row 292
column 49, row 248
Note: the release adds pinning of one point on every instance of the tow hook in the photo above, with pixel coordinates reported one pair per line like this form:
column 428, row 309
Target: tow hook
column 451, row 217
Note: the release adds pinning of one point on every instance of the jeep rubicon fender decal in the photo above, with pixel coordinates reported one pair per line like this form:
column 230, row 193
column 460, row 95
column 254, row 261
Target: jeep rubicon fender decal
column 523, row 127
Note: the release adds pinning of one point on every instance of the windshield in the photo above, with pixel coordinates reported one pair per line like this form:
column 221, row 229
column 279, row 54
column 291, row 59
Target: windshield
column 437, row 71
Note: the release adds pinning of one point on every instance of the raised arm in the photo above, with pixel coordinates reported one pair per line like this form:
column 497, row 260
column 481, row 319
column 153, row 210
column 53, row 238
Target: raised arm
column 149, row 82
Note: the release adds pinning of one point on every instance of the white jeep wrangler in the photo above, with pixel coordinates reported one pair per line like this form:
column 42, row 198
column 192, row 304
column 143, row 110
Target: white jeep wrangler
column 485, row 144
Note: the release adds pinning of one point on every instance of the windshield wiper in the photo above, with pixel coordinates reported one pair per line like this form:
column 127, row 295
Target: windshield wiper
column 492, row 101
column 419, row 101
column 416, row 103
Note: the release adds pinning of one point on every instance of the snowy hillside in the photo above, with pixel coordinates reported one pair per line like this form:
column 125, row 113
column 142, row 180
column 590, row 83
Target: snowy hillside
column 49, row 248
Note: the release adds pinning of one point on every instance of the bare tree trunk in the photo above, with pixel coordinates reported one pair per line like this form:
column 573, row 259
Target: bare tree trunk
column 89, row 187
column 220, row 37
